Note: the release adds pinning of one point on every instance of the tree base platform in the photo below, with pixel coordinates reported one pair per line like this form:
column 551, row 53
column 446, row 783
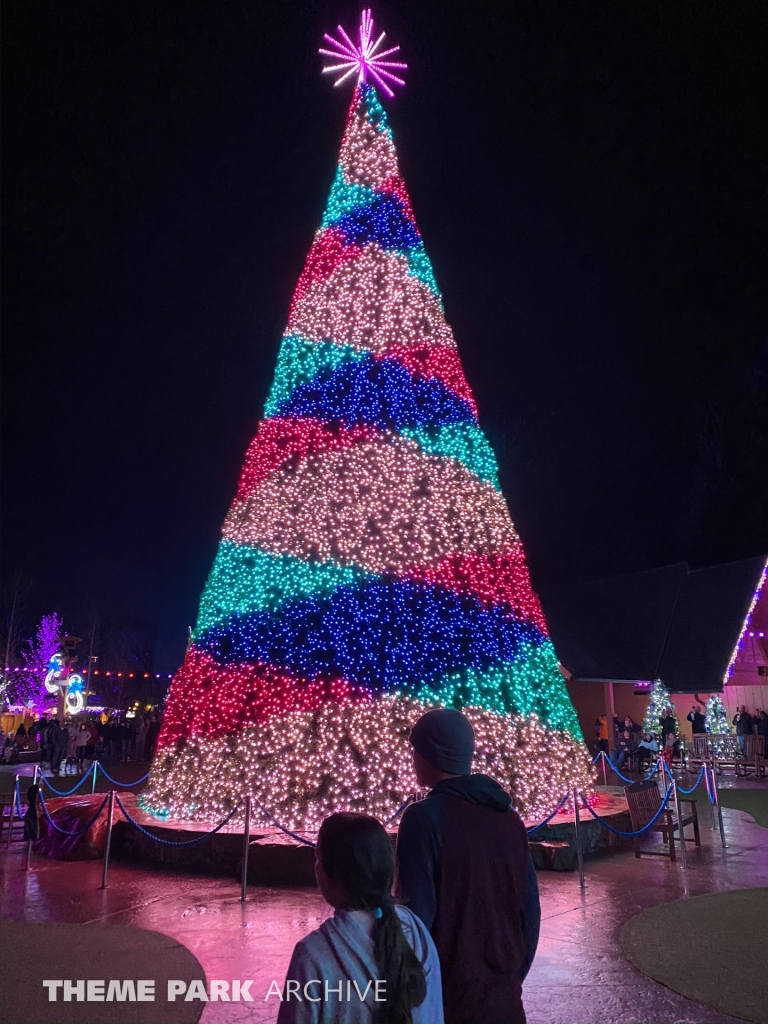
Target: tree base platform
column 277, row 859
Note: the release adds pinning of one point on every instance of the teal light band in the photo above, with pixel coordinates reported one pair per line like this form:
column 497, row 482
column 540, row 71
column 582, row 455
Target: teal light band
column 533, row 684
column 246, row 579
column 464, row 442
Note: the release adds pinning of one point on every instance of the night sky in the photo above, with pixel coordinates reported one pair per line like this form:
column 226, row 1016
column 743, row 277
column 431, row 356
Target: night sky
column 590, row 181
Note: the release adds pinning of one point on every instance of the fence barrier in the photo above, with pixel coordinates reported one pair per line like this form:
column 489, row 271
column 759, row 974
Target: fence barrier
column 398, row 812
column 58, row 792
column 535, row 828
column 246, row 848
column 65, row 831
column 122, row 785
column 685, row 792
column 97, row 766
column 108, row 847
column 608, row 762
column 639, row 832
column 672, row 792
column 276, row 823
column 171, row 842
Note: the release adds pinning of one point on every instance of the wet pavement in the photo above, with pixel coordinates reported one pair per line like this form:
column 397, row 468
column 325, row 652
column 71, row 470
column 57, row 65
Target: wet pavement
column 579, row 974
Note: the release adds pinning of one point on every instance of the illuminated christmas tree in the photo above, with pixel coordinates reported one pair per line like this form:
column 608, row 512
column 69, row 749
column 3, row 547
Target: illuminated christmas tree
column 715, row 715
column 659, row 704
column 368, row 568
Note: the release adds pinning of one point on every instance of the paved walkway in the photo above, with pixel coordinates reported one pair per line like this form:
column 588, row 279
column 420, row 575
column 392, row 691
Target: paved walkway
column 579, row 974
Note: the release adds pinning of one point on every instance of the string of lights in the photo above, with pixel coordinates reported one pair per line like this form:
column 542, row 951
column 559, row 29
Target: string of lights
column 355, row 756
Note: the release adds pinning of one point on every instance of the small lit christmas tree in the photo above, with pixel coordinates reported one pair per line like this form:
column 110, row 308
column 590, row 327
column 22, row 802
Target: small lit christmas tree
column 659, row 704
column 369, row 568
column 715, row 715
column 30, row 689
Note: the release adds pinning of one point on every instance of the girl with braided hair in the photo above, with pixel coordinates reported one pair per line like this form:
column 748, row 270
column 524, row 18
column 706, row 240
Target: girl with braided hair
column 373, row 962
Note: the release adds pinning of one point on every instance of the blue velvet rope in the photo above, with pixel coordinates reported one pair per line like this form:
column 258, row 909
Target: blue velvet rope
column 630, row 835
column 69, row 792
column 276, row 823
column 613, row 767
column 535, row 828
column 77, row 832
column 171, row 842
column 398, row 812
column 122, row 785
column 168, row 842
column 685, row 792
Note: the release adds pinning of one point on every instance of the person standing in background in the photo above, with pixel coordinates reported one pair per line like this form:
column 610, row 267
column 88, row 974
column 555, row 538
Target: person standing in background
column 71, row 761
column 668, row 726
column 762, row 728
column 80, row 747
column 697, row 721
column 743, row 722
column 601, row 733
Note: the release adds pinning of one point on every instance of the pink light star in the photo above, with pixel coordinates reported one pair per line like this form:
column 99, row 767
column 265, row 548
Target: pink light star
column 364, row 58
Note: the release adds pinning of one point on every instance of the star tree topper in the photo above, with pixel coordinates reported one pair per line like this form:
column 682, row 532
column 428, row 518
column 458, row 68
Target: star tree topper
column 363, row 58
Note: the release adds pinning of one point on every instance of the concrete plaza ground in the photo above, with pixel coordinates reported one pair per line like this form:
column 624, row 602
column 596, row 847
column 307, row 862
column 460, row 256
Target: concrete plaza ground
column 579, row 974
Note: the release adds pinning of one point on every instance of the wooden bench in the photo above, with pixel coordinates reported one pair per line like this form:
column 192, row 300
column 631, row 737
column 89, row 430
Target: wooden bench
column 722, row 750
column 644, row 800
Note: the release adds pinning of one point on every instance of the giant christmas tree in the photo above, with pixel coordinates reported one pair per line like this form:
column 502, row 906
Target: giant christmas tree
column 368, row 567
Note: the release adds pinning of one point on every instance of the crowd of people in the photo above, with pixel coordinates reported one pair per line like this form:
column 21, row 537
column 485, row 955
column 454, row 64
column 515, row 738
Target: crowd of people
column 444, row 930
column 748, row 725
column 629, row 746
column 71, row 747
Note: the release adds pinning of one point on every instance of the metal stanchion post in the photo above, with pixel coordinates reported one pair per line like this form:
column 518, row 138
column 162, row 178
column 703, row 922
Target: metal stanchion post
column 719, row 811
column 605, row 773
column 679, row 825
column 110, row 809
column 13, row 811
column 577, row 825
column 35, row 775
column 246, row 844
column 93, row 780
column 710, row 794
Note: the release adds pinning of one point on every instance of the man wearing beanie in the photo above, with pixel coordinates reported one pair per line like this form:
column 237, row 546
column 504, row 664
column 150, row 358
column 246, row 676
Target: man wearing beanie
column 463, row 865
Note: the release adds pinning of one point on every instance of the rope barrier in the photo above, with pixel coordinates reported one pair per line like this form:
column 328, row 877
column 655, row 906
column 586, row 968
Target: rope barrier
column 69, row 792
column 122, row 785
column 650, row 774
column 275, row 822
column 170, row 842
column 685, row 792
column 398, row 812
column 535, row 828
column 64, row 831
column 616, row 770
column 710, row 794
column 631, row 835
column 17, row 789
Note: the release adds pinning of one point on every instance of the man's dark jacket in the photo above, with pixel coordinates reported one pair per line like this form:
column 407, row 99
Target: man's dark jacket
column 463, row 865
column 743, row 723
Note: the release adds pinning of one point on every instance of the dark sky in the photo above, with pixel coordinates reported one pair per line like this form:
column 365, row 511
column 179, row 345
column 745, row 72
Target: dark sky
column 590, row 180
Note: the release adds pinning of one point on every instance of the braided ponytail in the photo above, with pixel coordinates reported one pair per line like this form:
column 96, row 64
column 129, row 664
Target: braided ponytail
column 399, row 966
column 356, row 853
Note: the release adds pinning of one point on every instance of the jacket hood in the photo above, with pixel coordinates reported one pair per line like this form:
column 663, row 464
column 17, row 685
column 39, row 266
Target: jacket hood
column 477, row 789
